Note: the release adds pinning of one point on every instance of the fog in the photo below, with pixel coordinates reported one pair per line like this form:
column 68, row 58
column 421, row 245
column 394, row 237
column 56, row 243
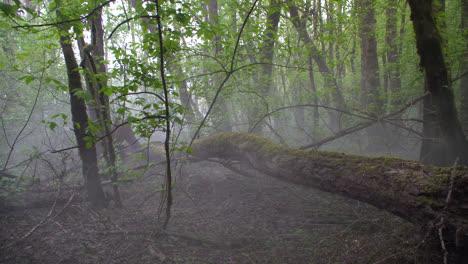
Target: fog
column 232, row 132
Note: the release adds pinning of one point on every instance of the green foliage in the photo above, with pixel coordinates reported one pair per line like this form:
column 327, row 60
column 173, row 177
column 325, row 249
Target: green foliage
column 198, row 56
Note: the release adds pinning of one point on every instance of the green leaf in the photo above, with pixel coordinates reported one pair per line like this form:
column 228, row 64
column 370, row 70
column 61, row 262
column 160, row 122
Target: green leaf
column 9, row 10
column 89, row 144
column 52, row 125
column 108, row 91
column 190, row 150
column 27, row 79
column 182, row 18
column 62, row 87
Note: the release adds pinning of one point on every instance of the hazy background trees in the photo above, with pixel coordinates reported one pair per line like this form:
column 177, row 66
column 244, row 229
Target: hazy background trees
column 299, row 72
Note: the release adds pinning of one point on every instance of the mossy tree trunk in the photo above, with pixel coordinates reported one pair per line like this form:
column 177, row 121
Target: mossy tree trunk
column 408, row 189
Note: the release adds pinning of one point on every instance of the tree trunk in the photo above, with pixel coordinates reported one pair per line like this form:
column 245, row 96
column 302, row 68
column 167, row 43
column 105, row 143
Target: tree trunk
column 326, row 72
column 93, row 61
column 392, row 81
column 92, row 105
column 408, row 189
column 221, row 112
column 313, row 88
column 80, row 123
column 370, row 82
column 444, row 139
column 392, row 53
column 264, row 79
column 464, row 71
column 190, row 106
column 371, row 98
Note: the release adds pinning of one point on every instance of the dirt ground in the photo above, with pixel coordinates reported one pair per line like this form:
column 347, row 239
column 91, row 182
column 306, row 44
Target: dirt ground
column 218, row 216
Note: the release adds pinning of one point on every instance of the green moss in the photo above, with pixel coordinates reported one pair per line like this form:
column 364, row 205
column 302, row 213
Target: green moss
column 442, row 175
column 409, row 172
column 429, row 201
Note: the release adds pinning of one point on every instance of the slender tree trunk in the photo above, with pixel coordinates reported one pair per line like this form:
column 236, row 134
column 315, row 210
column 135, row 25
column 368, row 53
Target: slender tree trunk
column 341, row 66
column 221, row 114
column 371, row 98
column 326, row 72
column 370, row 82
column 316, row 115
column 98, row 55
column 298, row 112
column 190, row 106
column 392, row 73
column 265, row 77
column 93, row 60
column 444, row 140
column 92, row 105
column 190, row 109
column 392, row 53
column 80, row 123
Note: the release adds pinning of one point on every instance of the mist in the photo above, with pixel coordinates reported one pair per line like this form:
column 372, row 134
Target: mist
column 233, row 132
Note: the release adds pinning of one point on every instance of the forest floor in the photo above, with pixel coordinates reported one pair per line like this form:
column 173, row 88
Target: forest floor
column 218, row 216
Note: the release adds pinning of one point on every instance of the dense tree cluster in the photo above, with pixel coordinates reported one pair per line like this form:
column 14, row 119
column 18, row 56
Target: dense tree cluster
column 371, row 77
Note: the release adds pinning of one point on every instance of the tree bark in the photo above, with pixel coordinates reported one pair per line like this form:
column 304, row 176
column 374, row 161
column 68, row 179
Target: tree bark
column 408, row 189
column 221, row 114
column 313, row 88
column 330, row 81
column 97, row 37
column 264, row 79
column 96, row 79
column 444, row 138
column 391, row 66
column 371, row 99
column 393, row 52
column 464, row 78
column 370, row 82
column 80, row 123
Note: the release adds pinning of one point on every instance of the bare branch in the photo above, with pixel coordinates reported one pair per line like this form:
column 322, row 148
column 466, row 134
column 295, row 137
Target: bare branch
column 12, row 147
column 228, row 74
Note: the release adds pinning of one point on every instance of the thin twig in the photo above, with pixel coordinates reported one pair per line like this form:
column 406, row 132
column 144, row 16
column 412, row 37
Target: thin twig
column 65, row 206
column 448, row 199
column 234, row 53
column 27, row 121
column 168, row 194
column 126, row 21
column 137, row 93
column 308, row 105
column 364, row 125
column 47, row 217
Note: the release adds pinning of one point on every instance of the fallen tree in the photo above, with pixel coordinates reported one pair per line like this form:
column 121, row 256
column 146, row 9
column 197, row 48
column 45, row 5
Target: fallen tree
column 433, row 198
